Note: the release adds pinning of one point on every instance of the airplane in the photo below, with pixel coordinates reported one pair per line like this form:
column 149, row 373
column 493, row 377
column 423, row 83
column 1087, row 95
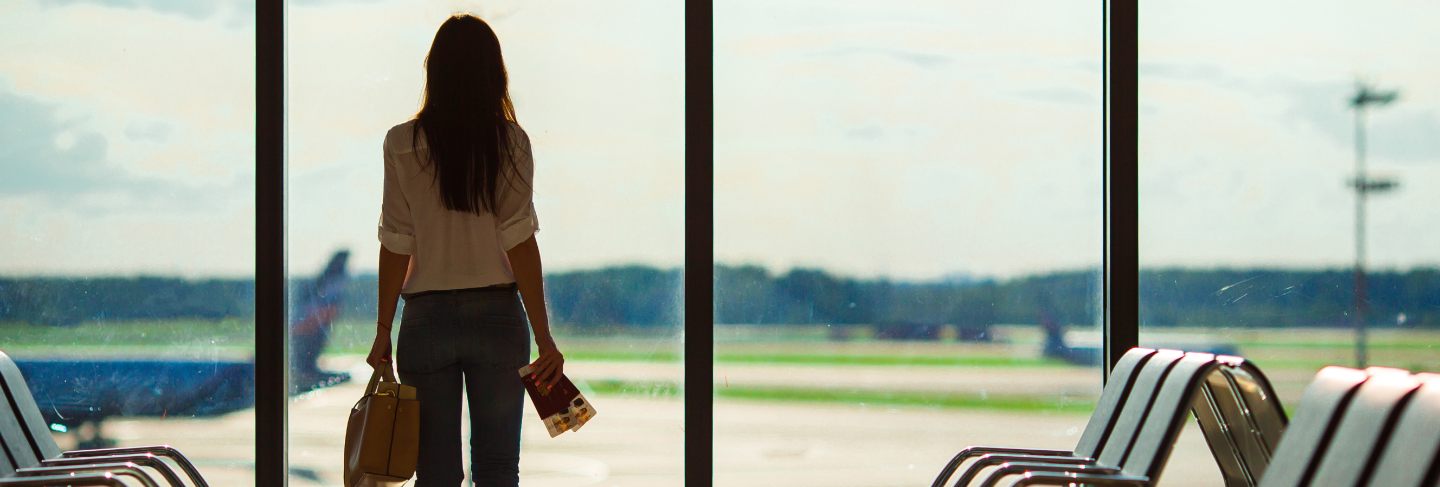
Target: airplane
column 74, row 391
column 1085, row 348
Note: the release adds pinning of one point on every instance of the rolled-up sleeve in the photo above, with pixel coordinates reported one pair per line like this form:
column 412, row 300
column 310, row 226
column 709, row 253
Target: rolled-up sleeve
column 515, row 219
column 397, row 226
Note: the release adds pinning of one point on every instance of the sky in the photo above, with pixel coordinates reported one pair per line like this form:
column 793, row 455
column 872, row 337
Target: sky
column 918, row 140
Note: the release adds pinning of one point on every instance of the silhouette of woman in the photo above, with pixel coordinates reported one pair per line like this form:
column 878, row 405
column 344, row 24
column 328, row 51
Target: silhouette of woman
column 457, row 233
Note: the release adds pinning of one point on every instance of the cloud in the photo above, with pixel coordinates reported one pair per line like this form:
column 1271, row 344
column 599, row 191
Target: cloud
column 331, row 2
column 868, row 132
column 241, row 12
column 1412, row 136
column 1398, row 132
column 62, row 161
column 1187, row 72
column 1064, row 96
column 917, row 58
column 154, row 131
column 44, row 153
column 194, row 9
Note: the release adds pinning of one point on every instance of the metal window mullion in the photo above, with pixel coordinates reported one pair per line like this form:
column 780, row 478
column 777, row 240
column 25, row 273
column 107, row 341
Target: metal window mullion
column 271, row 357
column 699, row 238
column 1122, row 233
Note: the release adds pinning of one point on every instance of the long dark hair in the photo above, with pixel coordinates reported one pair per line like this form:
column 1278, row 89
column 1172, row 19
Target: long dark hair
column 466, row 113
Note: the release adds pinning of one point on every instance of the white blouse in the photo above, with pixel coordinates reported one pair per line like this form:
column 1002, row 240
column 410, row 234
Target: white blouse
column 452, row 249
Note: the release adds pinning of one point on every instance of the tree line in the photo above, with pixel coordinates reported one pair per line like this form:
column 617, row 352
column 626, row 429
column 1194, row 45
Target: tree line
column 642, row 296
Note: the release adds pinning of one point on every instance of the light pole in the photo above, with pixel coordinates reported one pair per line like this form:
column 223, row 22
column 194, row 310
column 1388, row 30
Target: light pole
column 1364, row 185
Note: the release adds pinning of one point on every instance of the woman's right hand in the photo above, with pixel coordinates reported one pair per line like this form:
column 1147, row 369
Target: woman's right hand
column 549, row 367
column 380, row 350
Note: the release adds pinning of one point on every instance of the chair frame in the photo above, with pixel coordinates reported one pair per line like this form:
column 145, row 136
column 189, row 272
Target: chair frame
column 103, row 473
column 1412, row 454
column 114, row 469
column 1325, row 403
column 1127, row 418
column 1365, row 429
column 1241, row 418
column 108, row 479
column 1163, row 419
column 1097, row 429
column 22, row 406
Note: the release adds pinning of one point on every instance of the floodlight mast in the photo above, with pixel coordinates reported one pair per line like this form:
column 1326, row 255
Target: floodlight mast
column 1364, row 96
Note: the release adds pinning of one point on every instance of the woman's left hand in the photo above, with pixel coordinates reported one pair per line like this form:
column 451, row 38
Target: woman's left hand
column 379, row 351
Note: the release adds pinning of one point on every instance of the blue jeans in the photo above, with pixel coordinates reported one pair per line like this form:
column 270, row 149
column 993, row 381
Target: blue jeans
column 477, row 339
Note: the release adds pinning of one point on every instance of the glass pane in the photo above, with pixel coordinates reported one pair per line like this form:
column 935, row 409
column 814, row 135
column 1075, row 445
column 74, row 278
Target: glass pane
column 599, row 89
column 126, row 291
column 1250, row 144
column 908, row 228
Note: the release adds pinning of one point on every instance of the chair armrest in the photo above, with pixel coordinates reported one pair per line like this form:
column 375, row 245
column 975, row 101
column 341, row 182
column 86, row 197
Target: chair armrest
column 996, row 459
column 129, row 469
column 143, row 459
column 972, row 451
column 166, row 451
column 106, row 479
column 1054, row 478
column 1017, row 468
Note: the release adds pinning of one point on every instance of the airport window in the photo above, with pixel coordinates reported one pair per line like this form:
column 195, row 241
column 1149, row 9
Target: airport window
column 127, row 208
column 909, row 222
column 608, row 187
column 908, row 234
column 1254, row 129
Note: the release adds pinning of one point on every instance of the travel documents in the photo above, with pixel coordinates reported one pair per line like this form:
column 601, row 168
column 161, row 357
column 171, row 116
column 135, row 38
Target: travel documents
column 562, row 408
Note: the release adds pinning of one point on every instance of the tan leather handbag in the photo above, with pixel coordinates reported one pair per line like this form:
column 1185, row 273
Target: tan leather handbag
column 382, row 439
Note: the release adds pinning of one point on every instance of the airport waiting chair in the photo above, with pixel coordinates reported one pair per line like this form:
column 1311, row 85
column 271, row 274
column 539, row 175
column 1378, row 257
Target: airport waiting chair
column 43, row 452
column 20, row 466
column 1362, row 432
column 1219, row 413
column 1262, row 410
column 1131, row 418
column 78, row 480
column 1322, row 405
column 1411, row 457
column 1113, row 397
column 91, row 475
column 17, row 469
column 1242, row 419
column 1141, row 461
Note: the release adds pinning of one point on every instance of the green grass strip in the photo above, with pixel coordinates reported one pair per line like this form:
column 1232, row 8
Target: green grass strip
column 877, row 359
column 853, row 397
column 633, row 388
column 1415, row 365
column 581, row 354
column 1336, row 345
column 940, row 400
column 819, row 359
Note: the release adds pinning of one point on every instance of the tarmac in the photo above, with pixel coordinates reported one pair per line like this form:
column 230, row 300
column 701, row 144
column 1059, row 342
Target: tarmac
column 638, row 441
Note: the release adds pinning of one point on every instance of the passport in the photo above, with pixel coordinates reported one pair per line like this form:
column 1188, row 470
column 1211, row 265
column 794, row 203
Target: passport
column 562, row 408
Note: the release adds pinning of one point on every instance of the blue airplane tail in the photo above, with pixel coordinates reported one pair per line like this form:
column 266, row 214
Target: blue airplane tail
column 317, row 304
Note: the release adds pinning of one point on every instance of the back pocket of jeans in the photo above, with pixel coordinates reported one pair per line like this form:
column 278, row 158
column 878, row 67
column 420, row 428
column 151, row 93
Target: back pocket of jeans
column 422, row 349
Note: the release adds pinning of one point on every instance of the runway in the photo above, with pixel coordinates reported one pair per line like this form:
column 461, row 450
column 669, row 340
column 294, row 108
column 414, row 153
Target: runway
column 638, row 441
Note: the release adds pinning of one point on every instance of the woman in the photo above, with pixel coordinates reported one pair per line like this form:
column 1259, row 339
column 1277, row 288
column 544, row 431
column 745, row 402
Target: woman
column 457, row 241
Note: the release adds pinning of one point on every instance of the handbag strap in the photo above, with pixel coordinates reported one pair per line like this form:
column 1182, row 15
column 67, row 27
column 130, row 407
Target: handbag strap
column 386, row 374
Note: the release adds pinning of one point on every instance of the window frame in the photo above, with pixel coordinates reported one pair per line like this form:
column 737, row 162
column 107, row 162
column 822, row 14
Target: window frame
column 1120, row 313
column 699, row 271
column 272, row 358
column 1121, row 319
